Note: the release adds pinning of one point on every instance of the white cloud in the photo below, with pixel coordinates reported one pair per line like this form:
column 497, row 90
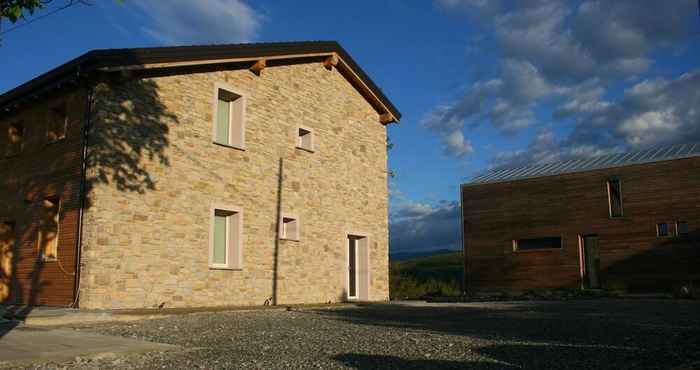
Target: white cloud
column 201, row 21
column 565, row 56
column 429, row 227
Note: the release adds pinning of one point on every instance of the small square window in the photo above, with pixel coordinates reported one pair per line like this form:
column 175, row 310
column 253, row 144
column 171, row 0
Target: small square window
column 305, row 139
column 229, row 118
column 58, row 120
column 662, row 229
column 289, row 228
column 15, row 139
column 48, row 232
column 226, row 240
column 682, row 228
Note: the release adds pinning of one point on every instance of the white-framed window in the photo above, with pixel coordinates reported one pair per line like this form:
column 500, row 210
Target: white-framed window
column 229, row 116
column 305, row 138
column 289, row 227
column 226, row 237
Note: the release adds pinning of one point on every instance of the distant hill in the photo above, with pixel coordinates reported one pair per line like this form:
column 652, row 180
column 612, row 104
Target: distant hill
column 403, row 256
column 436, row 274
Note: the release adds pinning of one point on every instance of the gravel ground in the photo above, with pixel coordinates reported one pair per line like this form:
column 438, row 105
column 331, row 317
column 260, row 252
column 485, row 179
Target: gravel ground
column 600, row 334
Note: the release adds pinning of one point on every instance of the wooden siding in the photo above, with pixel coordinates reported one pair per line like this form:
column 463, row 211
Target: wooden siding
column 632, row 257
column 41, row 170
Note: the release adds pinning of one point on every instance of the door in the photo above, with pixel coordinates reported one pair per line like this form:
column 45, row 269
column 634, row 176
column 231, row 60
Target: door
column 590, row 261
column 352, row 267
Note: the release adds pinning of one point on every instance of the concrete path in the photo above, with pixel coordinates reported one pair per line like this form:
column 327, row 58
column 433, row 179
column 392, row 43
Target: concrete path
column 27, row 345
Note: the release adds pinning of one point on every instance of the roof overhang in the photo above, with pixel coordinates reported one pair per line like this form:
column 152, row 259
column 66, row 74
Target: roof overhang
column 255, row 57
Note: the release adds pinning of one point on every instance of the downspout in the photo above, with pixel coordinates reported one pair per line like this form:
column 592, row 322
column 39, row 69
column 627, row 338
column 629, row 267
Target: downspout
column 464, row 245
column 83, row 189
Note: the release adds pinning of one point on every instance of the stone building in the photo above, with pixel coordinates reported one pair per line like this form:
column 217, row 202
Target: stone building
column 196, row 176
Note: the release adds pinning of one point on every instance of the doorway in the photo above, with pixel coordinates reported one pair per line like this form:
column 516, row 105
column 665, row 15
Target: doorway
column 357, row 267
column 589, row 257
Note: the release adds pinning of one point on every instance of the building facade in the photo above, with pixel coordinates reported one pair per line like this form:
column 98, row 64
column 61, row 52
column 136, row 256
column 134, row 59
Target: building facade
column 620, row 222
column 198, row 176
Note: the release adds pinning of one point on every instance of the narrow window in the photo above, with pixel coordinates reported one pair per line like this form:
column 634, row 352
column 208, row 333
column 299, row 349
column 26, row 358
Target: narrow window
column 49, row 228
column 289, row 228
column 58, row 119
column 682, row 228
column 229, row 118
column 615, row 198
column 553, row 242
column 226, row 238
column 15, row 139
column 662, row 229
column 305, row 139
column 7, row 243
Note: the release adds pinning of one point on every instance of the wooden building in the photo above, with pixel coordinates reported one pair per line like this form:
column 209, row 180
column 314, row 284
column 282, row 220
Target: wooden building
column 625, row 221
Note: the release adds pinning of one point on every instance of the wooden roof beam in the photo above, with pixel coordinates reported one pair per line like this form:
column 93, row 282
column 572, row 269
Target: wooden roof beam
column 330, row 62
column 386, row 118
column 258, row 66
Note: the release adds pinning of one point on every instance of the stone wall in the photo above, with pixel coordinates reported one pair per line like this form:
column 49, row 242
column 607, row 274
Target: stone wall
column 146, row 234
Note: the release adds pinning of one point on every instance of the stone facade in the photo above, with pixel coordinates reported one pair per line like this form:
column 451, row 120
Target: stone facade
column 154, row 173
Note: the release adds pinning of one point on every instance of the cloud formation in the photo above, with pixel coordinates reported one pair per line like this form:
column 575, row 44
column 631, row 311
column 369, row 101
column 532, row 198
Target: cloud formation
column 201, row 21
column 419, row 226
column 567, row 57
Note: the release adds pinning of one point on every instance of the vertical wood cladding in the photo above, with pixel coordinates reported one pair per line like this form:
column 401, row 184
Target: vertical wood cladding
column 632, row 257
column 43, row 169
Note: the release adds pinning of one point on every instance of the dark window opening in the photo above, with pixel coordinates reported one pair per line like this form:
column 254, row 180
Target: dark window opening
column 662, row 229
column 537, row 243
column 58, row 119
column 682, row 228
column 615, row 198
column 15, row 139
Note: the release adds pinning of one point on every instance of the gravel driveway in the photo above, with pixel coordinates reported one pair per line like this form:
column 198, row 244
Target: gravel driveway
column 601, row 334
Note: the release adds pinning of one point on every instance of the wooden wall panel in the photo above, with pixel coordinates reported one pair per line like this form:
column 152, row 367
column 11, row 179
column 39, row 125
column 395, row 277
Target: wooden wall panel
column 42, row 170
column 632, row 256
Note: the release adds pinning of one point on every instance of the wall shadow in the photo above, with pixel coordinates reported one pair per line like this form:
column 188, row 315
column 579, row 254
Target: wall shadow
column 126, row 127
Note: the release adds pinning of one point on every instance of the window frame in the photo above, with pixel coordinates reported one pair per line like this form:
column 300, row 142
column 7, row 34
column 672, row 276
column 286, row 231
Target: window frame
column 49, row 122
column 608, row 187
column 235, row 244
column 7, row 153
column 516, row 249
column 40, row 232
column 239, row 129
column 678, row 233
column 658, row 230
column 282, row 231
column 312, row 141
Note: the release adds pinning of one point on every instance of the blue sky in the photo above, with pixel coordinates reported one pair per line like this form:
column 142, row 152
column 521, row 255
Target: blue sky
column 481, row 84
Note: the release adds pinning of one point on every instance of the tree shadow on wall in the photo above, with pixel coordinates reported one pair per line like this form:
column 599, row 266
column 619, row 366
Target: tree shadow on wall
column 127, row 137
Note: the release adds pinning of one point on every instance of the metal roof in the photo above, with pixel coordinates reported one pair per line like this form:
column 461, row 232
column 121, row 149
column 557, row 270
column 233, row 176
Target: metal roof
column 656, row 154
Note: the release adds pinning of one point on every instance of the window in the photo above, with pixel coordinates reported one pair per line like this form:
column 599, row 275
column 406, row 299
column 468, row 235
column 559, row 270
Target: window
column 225, row 250
column 7, row 243
column 305, row 139
column 289, row 228
column 15, row 139
column 682, row 228
column 58, row 119
column 662, row 229
column 615, row 198
column 229, row 118
column 553, row 242
column 49, row 228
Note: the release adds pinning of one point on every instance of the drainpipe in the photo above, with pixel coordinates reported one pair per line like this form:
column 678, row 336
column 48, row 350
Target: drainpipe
column 83, row 189
column 464, row 245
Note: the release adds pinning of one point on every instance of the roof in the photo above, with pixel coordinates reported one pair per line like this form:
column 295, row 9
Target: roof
column 656, row 154
column 114, row 59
